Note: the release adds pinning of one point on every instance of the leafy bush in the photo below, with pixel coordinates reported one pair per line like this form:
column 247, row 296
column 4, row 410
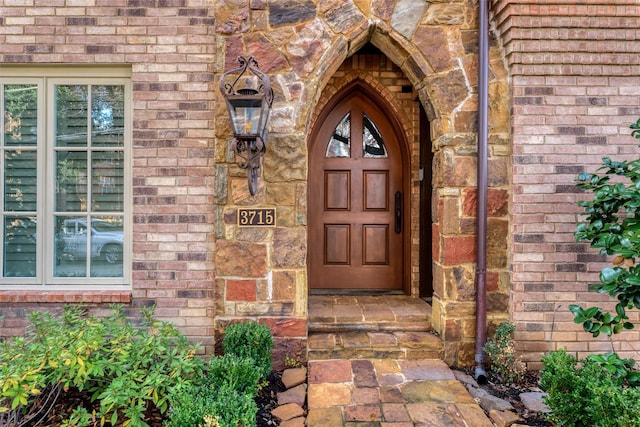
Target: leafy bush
column 125, row 368
column 225, row 395
column 612, row 224
column 622, row 370
column 193, row 405
column 502, row 354
column 587, row 394
column 233, row 371
column 250, row 340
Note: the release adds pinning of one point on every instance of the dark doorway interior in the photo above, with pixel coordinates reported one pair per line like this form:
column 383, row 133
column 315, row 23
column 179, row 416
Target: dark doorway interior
column 426, row 160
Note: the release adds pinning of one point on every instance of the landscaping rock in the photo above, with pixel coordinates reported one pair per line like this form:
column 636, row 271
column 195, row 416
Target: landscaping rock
column 293, row 377
column 297, row 395
column 465, row 379
column 288, row 411
column 504, row 418
column 489, row 402
column 534, row 402
column 294, row 422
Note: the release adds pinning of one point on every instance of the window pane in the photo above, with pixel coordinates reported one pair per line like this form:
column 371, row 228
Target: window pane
column 19, row 255
column 107, row 116
column 71, row 247
column 106, row 247
column 107, row 182
column 372, row 143
column 71, row 181
column 71, row 116
column 20, row 183
column 340, row 143
column 103, row 253
column 20, row 114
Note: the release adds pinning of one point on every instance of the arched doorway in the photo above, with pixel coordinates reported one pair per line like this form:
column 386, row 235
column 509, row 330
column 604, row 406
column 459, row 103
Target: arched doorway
column 358, row 228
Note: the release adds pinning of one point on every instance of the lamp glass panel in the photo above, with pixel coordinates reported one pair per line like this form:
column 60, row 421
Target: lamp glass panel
column 246, row 120
column 245, row 115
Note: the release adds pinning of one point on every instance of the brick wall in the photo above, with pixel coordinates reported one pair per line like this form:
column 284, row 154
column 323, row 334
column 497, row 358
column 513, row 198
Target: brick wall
column 574, row 69
column 170, row 46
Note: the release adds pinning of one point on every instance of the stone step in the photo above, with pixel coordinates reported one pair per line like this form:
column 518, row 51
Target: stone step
column 388, row 313
column 374, row 345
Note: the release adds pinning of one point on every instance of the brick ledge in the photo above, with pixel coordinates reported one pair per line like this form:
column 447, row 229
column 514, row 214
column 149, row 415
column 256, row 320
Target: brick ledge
column 65, row 296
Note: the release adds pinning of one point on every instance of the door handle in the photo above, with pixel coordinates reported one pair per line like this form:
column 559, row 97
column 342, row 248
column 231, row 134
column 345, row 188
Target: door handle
column 398, row 213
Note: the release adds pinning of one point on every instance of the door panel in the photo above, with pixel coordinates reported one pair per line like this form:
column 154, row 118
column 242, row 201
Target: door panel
column 376, row 190
column 355, row 170
column 375, row 244
column 337, row 238
column 337, row 192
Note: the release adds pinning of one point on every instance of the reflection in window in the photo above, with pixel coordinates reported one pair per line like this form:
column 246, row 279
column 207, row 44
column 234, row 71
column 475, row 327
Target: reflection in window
column 98, row 247
column 20, row 114
column 89, row 180
column 340, row 143
column 372, row 143
column 19, row 252
column 86, row 210
column 71, row 115
column 19, row 172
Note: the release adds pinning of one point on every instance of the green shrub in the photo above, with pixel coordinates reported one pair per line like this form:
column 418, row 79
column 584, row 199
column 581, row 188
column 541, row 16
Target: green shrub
column 124, row 367
column 250, row 340
column 223, row 398
column 502, row 354
column 612, row 224
column 587, row 394
column 193, row 405
column 232, row 371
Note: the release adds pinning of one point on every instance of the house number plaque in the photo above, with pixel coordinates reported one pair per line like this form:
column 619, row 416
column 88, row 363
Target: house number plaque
column 257, row 217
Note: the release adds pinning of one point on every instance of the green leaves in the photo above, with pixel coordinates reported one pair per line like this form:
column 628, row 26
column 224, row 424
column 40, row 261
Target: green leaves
column 126, row 368
column 250, row 340
column 501, row 352
column 612, row 224
column 590, row 393
column 595, row 321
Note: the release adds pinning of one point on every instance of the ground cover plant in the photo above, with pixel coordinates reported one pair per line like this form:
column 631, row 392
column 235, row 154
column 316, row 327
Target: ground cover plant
column 225, row 396
column 108, row 371
column 602, row 390
column 126, row 369
column 500, row 350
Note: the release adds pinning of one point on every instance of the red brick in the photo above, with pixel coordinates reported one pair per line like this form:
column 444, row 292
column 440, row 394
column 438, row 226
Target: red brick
column 241, row 290
column 457, row 250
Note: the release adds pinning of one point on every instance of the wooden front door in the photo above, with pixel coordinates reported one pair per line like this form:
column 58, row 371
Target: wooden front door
column 356, row 200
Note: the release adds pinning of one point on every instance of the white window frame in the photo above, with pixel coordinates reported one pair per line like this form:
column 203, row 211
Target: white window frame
column 46, row 79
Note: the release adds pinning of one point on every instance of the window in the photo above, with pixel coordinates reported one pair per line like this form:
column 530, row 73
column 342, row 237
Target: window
column 66, row 189
column 340, row 143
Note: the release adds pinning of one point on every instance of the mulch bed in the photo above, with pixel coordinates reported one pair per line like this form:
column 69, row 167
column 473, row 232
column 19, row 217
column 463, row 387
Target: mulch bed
column 266, row 400
column 511, row 393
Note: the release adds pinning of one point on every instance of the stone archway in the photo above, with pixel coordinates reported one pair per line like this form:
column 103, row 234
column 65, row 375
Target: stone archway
column 433, row 44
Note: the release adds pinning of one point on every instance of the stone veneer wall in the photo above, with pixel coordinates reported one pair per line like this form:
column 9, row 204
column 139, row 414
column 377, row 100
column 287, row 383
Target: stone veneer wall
column 190, row 259
column 435, row 45
column 574, row 68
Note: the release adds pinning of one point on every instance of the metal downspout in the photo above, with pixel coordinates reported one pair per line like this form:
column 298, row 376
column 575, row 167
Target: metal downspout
column 481, row 251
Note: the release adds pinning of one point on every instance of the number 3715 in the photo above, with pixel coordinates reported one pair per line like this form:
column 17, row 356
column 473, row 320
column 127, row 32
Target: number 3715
column 256, row 217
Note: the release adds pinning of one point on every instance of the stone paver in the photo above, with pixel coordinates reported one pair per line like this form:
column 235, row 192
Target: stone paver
column 293, row 377
column 288, row 411
column 389, row 393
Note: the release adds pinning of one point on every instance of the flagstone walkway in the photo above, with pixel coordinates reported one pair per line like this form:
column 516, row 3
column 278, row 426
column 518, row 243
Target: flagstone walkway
column 388, row 393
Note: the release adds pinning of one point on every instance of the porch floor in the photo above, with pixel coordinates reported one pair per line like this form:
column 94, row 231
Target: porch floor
column 370, row 326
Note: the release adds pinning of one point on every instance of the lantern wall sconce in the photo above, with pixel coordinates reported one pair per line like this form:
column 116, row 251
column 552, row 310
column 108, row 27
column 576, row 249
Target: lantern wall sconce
column 248, row 108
